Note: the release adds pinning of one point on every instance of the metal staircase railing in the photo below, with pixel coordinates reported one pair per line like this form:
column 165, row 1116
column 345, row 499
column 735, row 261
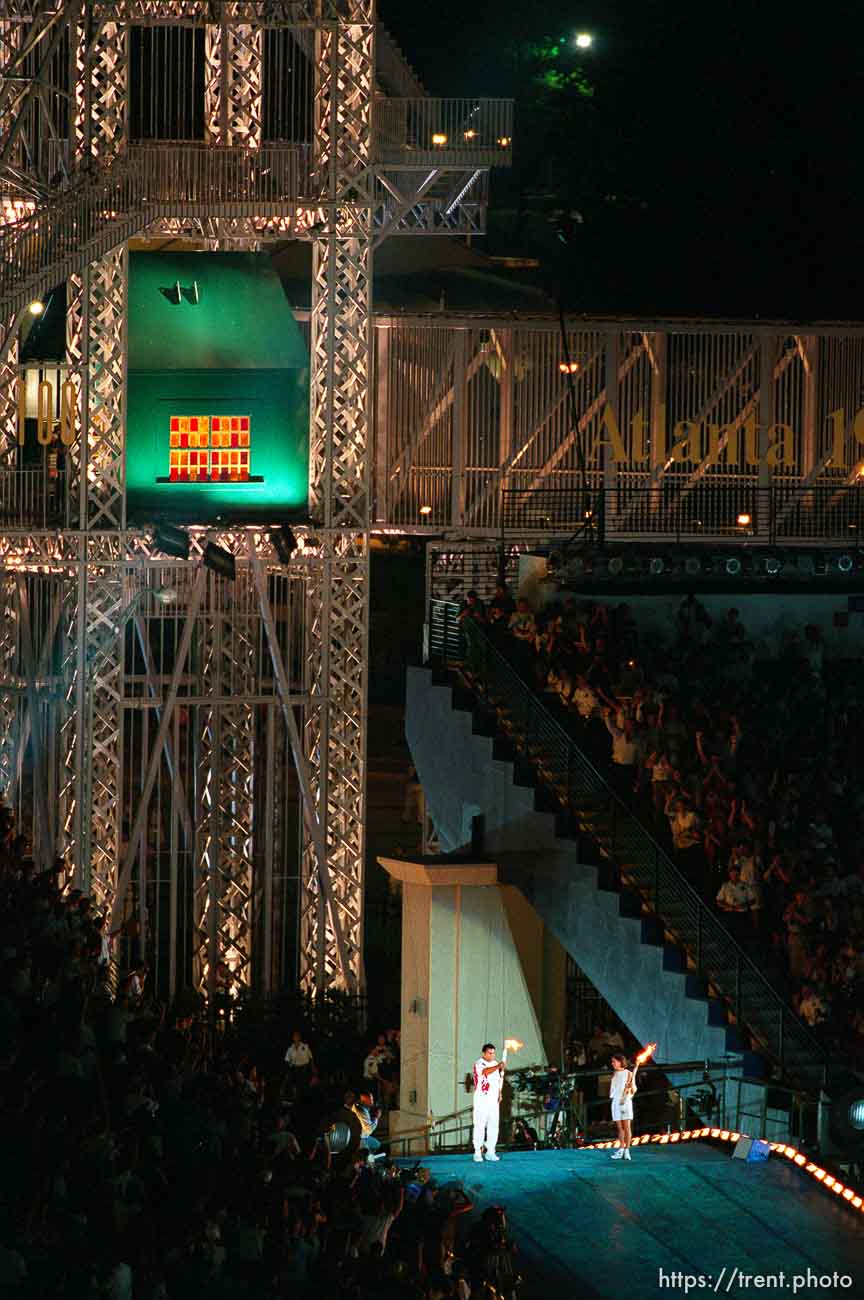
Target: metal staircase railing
column 642, row 861
column 111, row 204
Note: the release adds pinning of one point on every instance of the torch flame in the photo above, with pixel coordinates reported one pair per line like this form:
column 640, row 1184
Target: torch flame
column 646, row 1053
column 513, row 1044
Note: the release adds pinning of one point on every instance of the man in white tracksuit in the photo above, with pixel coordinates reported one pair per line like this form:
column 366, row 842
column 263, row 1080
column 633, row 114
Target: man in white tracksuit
column 488, row 1081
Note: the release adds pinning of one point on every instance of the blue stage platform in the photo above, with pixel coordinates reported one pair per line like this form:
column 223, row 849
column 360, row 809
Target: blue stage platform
column 590, row 1226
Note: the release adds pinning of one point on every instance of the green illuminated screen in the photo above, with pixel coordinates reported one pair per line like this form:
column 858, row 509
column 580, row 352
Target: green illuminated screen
column 218, row 391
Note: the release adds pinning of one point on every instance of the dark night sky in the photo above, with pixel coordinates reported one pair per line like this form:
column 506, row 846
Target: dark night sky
column 730, row 136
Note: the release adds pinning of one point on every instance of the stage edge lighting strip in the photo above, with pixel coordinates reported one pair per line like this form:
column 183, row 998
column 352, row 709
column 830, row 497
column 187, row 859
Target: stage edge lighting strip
column 853, row 1198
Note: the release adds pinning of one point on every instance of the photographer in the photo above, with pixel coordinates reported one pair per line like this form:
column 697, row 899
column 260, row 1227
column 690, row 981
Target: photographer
column 369, row 1115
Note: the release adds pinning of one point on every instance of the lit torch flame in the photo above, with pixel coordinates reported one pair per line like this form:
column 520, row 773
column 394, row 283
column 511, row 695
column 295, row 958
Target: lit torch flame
column 646, row 1053
column 513, row 1044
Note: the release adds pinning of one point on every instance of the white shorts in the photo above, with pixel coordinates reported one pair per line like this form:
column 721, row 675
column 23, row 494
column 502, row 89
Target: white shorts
column 623, row 1109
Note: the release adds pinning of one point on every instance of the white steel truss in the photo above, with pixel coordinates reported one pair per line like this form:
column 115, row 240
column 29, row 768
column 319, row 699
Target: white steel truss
column 87, row 188
column 232, row 84
column 338, row 608
column 650, row 412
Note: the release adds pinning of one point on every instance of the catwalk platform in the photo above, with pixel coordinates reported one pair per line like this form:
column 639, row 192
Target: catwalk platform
column 590, row 1226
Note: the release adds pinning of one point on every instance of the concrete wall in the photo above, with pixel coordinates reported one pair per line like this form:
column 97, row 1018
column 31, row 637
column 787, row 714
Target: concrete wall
column 544, row 965
column 461, row 779
column 462, row 985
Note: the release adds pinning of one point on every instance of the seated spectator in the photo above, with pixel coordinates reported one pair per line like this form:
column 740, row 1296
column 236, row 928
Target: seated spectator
column 811, row 1008
column 473, row 608
column 503, row 602
column 522, row 623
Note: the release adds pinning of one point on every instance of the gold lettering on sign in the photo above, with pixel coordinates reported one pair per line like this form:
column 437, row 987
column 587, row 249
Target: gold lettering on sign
column 686, row 444
column 638, row 452
column 67, row 413
column 838, row 441
column 45, row 413
column 610, row 424
column 780, row 451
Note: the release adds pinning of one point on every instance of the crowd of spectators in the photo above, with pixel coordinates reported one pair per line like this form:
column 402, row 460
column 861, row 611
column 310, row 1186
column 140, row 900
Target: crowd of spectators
column 146, row 1158
column 748, row 762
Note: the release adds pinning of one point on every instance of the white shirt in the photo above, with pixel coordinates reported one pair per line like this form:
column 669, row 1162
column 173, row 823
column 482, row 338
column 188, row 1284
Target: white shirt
column 736, row 895
column 621, row 1081
column 624, row 747
column 299, row 1054
column 487, row 1087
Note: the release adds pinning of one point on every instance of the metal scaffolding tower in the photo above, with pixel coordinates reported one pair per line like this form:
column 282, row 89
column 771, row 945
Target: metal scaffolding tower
column 153, row 716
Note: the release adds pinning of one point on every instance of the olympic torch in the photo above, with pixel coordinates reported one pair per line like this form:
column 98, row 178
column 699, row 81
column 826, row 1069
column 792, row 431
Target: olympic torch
column 642, row 1057
column 513, row 1044
column 645, row 1054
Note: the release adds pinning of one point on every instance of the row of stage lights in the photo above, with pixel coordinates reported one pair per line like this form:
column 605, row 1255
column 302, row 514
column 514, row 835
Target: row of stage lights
column 177, row 543
column 853, row 1198
column 768, row 565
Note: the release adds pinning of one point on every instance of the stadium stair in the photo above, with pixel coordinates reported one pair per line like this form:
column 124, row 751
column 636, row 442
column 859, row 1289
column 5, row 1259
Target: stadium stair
column 564, row 859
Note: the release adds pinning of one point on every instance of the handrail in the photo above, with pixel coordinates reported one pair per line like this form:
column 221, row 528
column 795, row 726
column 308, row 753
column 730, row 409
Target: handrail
column 473, row 132
column 754, row 999
column 730, row 509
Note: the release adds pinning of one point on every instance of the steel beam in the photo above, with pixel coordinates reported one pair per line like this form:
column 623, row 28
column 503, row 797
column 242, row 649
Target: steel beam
column 157, row 751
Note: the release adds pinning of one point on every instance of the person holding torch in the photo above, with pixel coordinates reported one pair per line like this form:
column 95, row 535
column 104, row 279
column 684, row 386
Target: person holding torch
column 488, row 1082
column 622, row 1090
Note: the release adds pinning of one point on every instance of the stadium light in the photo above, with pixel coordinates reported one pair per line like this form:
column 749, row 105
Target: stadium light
column 220, row 561
column 172, row 541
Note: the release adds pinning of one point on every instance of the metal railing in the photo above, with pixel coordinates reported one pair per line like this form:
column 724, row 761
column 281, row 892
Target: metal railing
column 110, row 204
column 733, row 1113
column 32, row 498
column 240, row 180
column 631, row 848
column 439, row 132
column 733, row 509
